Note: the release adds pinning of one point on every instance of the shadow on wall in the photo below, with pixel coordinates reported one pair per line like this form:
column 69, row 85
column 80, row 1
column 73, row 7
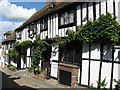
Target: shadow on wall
column 118, row 58
column 8, row 83
column 107, row 53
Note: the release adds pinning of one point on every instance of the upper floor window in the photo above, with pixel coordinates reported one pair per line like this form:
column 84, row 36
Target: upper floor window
column 32, row 30
column 44, row 24
column 19, row 35
column 66, row 17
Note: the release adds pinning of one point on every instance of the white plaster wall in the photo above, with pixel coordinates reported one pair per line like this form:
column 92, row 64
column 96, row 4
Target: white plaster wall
column 118, row 10
column 48, row 27
column 110, row 6
column 106, row 72
column 85, row 64
column 14, row 64
column 116, row 74
column 95, row 51
column 117, row 55
column 54, row 31
column 56, row 22
column 54, row 69
column 62, row 32
column 90, row 10
column 78, row 76
column 28, row 57
column 22, row 62
column 103, row 7
column 78, row 15
column 107, row 52
column 85, row 50
column 97, row 10
column 94, row 72
column 51, row 27
column 84, row 13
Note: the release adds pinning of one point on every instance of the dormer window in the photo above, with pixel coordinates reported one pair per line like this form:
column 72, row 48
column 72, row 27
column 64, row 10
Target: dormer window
column 19, row 35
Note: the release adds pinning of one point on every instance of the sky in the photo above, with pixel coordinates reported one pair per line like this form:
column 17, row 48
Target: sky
column 14, row 14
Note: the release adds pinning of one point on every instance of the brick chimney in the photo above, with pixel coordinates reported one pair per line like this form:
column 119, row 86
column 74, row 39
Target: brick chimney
column 55, row 1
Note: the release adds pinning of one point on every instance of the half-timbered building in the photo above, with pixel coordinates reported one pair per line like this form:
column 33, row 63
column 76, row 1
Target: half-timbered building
column 8, row 43
column 77, row 63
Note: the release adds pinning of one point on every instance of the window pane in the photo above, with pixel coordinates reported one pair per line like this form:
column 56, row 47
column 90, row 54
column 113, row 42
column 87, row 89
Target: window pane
column 41, row 25
column 66, row 17
column 62, row 20
column 71, row 17
column 35, row 28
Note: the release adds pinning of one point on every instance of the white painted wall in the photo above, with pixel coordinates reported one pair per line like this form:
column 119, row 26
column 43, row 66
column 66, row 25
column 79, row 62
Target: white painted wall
column 97, row 10
column 28, row 57
column 54, row 69
column 85, row 50
column 85, row 64
column 54, row 65
column 116, row 74
column 106, row 72
column 14, row 64
column 94, row 72
column 107, row 52
column 84, row 13
column 103, row 7
column 90, row 10
column 95, row 51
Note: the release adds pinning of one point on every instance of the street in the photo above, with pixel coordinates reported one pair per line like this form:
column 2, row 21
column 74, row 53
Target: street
column 21, row 79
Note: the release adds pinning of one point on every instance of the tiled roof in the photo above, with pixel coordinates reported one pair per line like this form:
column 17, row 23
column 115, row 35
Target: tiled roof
column 8, row 32
column 11, row 37
column 43, row 12
column 0, row 45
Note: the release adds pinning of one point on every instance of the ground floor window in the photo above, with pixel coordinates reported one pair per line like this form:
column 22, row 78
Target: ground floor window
column 70, row 53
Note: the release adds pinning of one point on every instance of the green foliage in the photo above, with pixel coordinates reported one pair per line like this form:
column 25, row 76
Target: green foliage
column 117, row 86
column 17, row 44
column 26, row 43
column 36, row 57
column 105, row 28
column 30, row 69
column 102, row 84
column 10, row 67
column 37, row 53
column 23, row 44
column 92, row 87
column 13, row 53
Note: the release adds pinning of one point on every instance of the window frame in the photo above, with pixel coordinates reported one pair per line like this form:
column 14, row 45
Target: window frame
column 44, row 24
column 61, row 15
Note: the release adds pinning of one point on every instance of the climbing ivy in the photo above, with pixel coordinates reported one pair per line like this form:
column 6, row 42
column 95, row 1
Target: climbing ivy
column 13, row 53
column 104, row 30
column 38, row 44
column 23, row 44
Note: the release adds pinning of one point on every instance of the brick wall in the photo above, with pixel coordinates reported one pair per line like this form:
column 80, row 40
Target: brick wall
column 70, row 68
